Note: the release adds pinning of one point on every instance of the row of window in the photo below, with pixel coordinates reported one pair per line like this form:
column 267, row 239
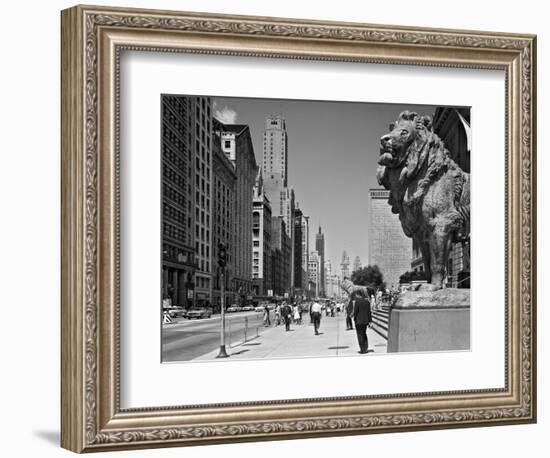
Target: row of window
column 169, row 174
column 170, row 193
column 176, row 233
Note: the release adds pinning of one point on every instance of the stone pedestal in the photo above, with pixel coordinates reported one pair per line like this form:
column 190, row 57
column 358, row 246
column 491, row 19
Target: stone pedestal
column 430, row 321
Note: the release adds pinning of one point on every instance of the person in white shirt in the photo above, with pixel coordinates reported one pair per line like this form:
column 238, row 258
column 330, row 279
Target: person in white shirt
column 316, row 315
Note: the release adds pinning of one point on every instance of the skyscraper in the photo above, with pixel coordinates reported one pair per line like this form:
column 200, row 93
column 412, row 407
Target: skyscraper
column 320, row 248
column 275, row 174
column 223, row 220
column 299, row 272
column 261, row 240
column 356, row 264
column 275, row 149
column 179, row 262
column 314, row 269
column 389, row 248
column 237, row 146
column 305, row 250
column 344, row 266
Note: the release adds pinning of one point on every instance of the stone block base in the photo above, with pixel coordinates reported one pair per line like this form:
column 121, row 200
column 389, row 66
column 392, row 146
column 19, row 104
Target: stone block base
column 415, row 326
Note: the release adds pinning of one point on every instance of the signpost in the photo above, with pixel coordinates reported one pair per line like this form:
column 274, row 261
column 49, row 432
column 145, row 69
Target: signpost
column 222, row 261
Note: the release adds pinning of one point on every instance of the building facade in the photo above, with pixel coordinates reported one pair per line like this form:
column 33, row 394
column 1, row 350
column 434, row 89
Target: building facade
column 186, row 200
column 223, row 223
column 389, row 248
column 357, row 264
column 299, row 281
column 237, row 146
column 345, row 266
column 261, row 241
column 281, row 246
column 314, row 273
column 275, row 175
column 320, row 248
column 305, row 250
column 452, row 125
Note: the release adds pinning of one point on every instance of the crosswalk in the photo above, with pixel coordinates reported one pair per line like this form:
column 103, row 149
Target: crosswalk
column 380, row 321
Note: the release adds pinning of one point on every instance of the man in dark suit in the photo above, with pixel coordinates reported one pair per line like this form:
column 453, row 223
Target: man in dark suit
column 363, row 318
column 349, row 315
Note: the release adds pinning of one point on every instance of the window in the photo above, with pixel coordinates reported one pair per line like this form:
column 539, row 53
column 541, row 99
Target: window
column 227, row 144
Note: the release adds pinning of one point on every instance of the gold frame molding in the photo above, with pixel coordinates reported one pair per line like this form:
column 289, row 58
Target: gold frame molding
column 92, row 39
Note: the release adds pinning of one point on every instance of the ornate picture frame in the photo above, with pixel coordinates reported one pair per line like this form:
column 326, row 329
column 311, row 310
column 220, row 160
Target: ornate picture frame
column 92, row 40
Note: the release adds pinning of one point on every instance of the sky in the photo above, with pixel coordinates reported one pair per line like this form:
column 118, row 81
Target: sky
column 333, row 149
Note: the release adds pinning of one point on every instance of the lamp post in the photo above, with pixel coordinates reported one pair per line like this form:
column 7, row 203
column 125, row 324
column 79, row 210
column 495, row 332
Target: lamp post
column 222, row 260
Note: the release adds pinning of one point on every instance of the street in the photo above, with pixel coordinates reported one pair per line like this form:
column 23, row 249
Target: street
column 184, row 340
column 200, row 339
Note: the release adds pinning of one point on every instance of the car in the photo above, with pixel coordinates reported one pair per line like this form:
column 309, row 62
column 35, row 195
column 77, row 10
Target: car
column 260, row 308
column 199, row 313
column 174, row 312
column 232, row 309
column 248, row 308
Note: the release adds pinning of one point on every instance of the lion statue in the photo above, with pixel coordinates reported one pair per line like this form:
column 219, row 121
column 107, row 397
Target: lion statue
column 428, row 190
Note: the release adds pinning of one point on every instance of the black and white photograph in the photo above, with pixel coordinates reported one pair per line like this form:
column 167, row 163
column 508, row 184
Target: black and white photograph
column 304, row 228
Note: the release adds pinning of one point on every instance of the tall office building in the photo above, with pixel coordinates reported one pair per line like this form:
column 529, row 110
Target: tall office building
column 453, row 127
column 344, row 266
column 305, row 249
column 261, row 241
column 237, row 146
column 299, row 273
column 178, row 215
column 202, row 139
column 281, row 253
column 223, row 222
column 329, row 291
column 389, row 248
column 314, row 273
column 186, row 199
column 275, row 174
column 275, row 149
column 320, row 248
column 357, row 263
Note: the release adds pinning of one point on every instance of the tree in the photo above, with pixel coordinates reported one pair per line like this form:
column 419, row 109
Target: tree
column 369, row 276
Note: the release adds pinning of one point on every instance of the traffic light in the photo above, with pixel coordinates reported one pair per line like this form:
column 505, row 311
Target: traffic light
column 222, row 254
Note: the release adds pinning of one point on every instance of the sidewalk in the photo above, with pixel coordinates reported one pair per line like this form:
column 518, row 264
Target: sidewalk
column 275, row 342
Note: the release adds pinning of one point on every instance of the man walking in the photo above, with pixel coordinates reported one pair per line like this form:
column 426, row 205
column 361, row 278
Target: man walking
column 267, row 321
column 316, row 316
column 363, row 318
column 286, row 313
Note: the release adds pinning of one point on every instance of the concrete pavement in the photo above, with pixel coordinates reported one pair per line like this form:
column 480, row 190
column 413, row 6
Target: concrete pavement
column 275, row 342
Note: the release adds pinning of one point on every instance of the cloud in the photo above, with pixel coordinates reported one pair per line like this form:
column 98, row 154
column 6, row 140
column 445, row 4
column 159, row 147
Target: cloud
column 226, row 115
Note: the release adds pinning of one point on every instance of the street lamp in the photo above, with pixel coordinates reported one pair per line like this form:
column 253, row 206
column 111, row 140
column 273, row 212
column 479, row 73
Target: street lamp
column 222, row 261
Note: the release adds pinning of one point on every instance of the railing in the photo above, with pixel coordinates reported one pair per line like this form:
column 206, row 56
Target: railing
column 237, row 334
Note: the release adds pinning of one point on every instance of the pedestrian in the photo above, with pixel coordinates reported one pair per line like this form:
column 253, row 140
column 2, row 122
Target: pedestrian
column 349, row 315
column 277, row 315
column 316, row 316
column 297, row 316
column 267, row 321
column 363, row 317
column 286, row 313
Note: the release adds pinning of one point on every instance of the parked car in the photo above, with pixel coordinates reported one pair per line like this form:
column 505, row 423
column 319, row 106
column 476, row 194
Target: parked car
column 199, row 313
column 174, row 312
column 232, row 309
column 260, row 308
column 248, row 308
